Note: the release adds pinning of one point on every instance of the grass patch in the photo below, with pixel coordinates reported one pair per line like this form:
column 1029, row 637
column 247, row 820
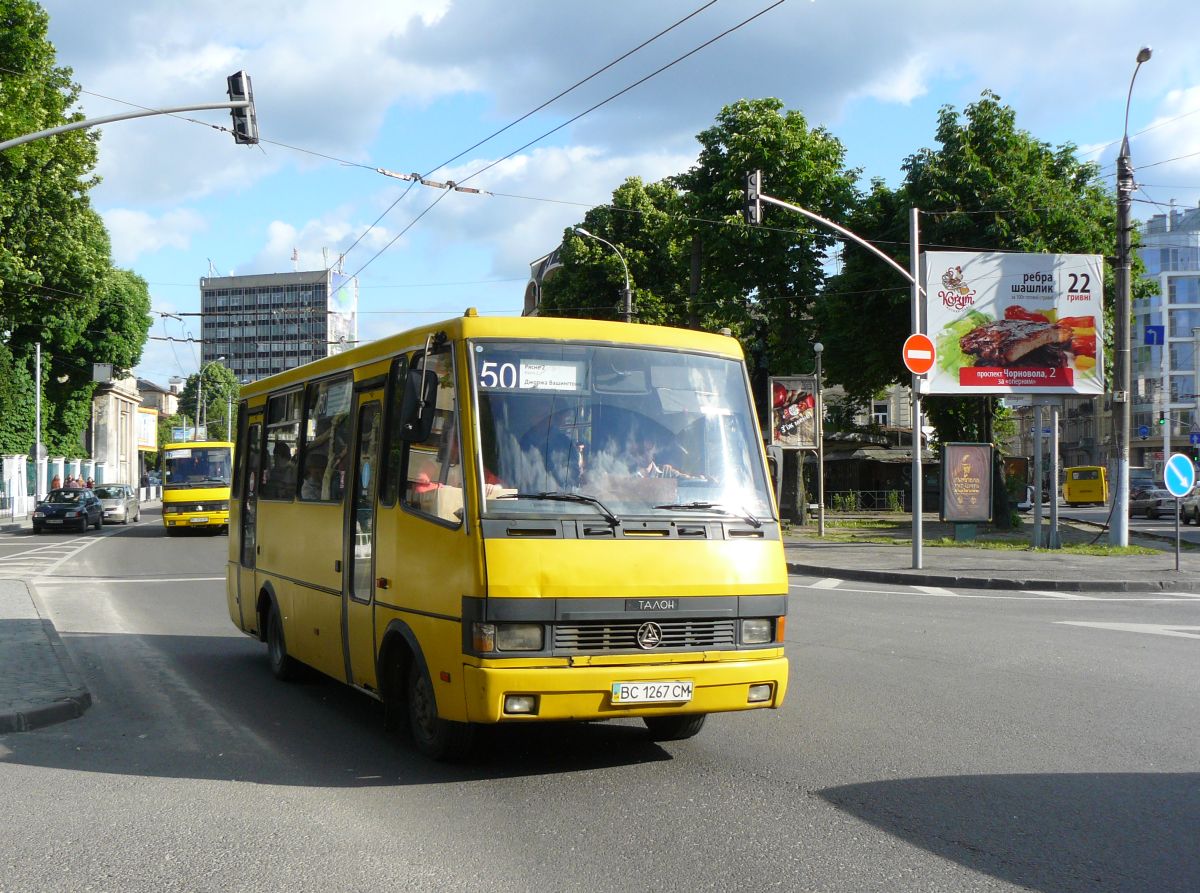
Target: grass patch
column 864, row 524
column 1022, row 545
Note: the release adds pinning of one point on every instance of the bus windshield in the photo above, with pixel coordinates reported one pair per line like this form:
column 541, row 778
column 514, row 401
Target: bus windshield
column 193, row 467
column 644, row 431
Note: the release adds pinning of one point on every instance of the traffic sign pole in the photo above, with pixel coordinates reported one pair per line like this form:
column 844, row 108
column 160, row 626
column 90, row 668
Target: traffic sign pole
column 1179, row 477
column 918, row 478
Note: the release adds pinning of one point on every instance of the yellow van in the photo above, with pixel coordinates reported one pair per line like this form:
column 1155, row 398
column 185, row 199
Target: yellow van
column 1085, row 484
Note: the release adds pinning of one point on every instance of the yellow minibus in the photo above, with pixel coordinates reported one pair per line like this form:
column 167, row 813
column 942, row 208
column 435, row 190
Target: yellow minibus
column 1085, row 484
column 515, row 520
column 196, row 479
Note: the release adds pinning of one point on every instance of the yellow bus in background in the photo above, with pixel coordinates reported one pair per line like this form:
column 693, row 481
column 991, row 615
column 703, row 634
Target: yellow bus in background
column 515, row 520
column 196, row 480
column 1085, row 484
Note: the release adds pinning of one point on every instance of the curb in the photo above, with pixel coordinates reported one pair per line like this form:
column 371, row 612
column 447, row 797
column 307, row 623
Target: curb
column 70, row 704
column 948, row 580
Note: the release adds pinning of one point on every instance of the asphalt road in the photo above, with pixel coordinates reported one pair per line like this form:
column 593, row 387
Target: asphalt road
column 932, row 740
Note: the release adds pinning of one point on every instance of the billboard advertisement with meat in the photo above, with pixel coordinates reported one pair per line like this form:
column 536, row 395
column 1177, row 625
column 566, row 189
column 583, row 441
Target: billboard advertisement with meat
column 1015, row 323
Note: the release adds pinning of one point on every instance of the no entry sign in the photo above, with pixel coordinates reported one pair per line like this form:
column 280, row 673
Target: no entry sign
column 918, row 354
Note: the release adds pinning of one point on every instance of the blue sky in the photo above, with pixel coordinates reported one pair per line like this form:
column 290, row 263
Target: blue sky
column 407, row 84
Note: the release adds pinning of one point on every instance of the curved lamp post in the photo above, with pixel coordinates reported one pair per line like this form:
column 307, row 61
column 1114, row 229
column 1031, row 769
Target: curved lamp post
column 628, row 312
column 1122, row 398
column 819, row 349
column 200, row 398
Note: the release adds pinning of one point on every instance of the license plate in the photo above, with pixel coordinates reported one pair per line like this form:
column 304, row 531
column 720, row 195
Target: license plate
column 53, row 520
column 198, row 521
column 672, row 691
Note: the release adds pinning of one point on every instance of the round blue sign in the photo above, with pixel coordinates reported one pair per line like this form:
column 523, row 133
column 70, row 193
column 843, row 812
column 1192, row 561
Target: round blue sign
column 1144, row 431
column 1179, row 475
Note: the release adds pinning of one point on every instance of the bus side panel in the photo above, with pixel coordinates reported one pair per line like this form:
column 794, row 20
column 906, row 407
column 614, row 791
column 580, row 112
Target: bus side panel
column 429, row 568
column 281, row 527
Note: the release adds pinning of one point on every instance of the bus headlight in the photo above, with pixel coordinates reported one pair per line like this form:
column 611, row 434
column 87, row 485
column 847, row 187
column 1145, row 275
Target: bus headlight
column 489, row 637
column 518, row 637
column 756, row 631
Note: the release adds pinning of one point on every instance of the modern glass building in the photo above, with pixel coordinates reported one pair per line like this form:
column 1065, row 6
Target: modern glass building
column 1171, row 252
column 271, row 322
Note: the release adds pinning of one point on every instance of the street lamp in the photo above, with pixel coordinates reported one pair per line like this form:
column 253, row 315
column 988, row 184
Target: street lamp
column 200, row 398
column 1119, row 534
column 819, row 413
column 628, row 294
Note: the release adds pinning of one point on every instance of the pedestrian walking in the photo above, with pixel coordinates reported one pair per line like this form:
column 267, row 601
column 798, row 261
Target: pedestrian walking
column 55, row 483
column 90, row 483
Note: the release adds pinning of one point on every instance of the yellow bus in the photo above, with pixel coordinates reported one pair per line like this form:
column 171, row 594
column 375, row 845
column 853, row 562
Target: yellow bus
column 515, row 520
column 196, row 480
column 1085, row 484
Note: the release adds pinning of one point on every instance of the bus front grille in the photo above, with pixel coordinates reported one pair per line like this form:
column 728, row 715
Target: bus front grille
column 677, row 635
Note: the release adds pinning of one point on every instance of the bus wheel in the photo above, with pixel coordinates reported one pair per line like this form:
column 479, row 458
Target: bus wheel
column 283, row 667
column 674, row 728
column 437, row 738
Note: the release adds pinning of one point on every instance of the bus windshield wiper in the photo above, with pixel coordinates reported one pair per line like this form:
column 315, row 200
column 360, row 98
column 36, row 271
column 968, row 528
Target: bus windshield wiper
column 559, row 496
column 714, row 507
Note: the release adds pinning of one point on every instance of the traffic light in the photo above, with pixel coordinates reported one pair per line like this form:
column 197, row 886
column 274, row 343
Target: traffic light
column 753, row 207
column 1162, row 418
column 245, row 122
column 1196, row 455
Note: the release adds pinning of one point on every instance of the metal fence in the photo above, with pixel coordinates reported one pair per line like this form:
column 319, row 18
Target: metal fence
column 865, row 500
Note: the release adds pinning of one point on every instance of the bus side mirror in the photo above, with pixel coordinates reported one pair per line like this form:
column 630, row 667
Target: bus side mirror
column 420, row 400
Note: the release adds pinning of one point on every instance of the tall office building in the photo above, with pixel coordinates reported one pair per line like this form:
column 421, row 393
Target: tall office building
column 271, row 322
column 1171, row 252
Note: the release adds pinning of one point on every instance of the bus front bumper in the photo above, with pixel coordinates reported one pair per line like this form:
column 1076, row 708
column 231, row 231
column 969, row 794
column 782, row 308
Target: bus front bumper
column 196, row 519
column 587, row 693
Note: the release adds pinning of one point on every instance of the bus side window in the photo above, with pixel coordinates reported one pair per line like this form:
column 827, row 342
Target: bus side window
column 326, row 440
column 283, row 434
column 393, row 444
column 433, row 481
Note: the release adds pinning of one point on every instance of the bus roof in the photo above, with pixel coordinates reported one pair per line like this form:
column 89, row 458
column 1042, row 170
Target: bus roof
column 189, row 444
column 470, row 325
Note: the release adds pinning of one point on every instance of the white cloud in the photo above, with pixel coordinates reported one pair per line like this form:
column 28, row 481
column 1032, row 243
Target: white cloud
column 135, row 233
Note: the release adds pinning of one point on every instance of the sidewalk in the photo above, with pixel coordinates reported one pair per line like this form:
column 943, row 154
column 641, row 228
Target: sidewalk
column 38, row 682
column 979, row 568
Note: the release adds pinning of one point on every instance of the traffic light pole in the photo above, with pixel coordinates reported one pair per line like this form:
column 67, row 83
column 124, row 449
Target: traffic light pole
column 245, row 129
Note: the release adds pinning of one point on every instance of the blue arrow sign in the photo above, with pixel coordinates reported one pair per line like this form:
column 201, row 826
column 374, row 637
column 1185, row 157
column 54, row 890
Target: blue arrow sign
column 1154, row 335
column 1194, row 438
column 1179, row 475
column 1144, row 431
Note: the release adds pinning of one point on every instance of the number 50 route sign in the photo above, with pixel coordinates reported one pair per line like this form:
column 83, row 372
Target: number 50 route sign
column 918, row 354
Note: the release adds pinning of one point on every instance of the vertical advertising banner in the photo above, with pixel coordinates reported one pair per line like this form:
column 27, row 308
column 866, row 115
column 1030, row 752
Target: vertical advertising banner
column 1015, row 323
column 966, row 482
column 794, row 412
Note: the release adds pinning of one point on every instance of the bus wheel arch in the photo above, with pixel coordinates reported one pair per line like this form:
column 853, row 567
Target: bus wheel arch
column 410, row 701
column 283, row 666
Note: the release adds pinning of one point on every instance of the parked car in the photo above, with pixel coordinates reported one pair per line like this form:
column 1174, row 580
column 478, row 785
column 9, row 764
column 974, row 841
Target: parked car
column 1189, row 507
column 68, row 507
column 120, row 502
column 1151, row 502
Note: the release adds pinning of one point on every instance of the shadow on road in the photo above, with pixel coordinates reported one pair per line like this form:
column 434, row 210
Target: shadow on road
column 1050, row 832
column 207, row 707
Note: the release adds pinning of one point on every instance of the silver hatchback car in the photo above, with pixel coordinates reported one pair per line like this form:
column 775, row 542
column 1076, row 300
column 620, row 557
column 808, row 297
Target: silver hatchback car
column 120, row 503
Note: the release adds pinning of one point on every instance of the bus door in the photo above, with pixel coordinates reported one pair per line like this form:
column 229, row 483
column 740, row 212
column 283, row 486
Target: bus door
column 358, row 597
column 247, row 520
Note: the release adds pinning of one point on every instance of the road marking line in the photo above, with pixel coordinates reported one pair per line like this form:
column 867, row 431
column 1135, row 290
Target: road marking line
column 827, row 583
column 1071, row 596
column 936, row 590
column 1031, row 597
column 1154, row 629
column 66, row 580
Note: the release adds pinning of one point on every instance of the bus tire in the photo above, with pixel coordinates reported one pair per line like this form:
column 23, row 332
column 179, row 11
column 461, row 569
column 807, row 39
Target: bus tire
column 283, row 667
column 674, row 728
column 437, row 738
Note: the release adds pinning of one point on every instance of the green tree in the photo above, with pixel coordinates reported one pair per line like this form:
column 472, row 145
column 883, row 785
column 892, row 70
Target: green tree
column 220, row 385
column 692, row 260
column 987, row 186
column 57, row 283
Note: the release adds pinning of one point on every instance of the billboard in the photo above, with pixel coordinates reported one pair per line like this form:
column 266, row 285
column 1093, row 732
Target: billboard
column 966, row 482
column 1015, row 323
column 793, row 401
column 147, row 429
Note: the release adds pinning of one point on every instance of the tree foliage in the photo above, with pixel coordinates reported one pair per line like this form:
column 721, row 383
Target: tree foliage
column 987, row 186
column 220, row 384
column 57, row 283
column 692, row 260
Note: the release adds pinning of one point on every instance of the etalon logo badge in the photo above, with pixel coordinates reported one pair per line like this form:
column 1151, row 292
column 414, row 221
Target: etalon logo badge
column 649, row 635
column 957, row 294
